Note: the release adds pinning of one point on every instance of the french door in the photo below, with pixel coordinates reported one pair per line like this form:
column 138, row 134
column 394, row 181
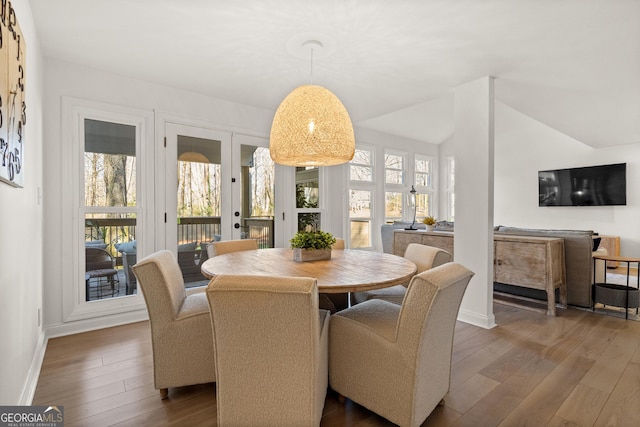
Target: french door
column 218, row 186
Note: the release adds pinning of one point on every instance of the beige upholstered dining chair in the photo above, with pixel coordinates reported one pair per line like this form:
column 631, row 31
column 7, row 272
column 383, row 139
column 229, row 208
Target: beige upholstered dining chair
column 424, row 257
column 271, row 350
column 396, row 360
column 227, row 246
column 181, row 334
column 339, row 244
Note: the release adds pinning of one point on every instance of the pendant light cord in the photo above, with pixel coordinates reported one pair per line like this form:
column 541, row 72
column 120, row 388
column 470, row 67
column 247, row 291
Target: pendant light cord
column 311, row 67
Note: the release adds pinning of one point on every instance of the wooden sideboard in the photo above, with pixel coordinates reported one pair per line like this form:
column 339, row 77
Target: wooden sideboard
column 525, row 261
column 612, row 245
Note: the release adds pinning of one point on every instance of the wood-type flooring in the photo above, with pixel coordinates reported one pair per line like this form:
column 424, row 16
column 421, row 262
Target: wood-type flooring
column 577, row 369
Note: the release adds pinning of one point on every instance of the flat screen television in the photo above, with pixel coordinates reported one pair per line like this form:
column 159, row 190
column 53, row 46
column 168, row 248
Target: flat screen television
column 603, row 185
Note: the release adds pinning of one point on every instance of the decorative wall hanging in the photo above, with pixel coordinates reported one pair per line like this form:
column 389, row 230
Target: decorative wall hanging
column 13, row 109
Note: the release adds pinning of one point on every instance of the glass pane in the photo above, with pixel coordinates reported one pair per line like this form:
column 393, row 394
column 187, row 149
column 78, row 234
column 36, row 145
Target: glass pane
column 423, row 179
column 362, row 157
column 359, row 204
column 199, row 201
column 452, row 174
column 422, row 206
column 392, row 161
column 360, row 233
column 360, row 173
column 393, row 205
column 109, row 164
column 423, row 172
column 307, row 183
column 393, row 177
column 110, row 251
column 452, row 207
column 308, row 219
column 257, row 181
column 422, row 165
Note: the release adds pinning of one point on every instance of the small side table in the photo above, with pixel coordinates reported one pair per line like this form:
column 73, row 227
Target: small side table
column 625, row 296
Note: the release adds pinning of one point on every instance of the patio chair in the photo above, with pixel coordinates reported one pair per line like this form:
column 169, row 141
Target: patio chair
column 100, row 270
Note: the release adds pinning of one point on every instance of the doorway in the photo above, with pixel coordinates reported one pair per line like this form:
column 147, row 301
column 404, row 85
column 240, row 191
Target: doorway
column 218, row 186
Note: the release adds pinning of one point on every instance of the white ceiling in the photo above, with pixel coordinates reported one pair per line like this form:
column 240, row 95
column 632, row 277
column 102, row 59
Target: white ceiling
column 571, row 64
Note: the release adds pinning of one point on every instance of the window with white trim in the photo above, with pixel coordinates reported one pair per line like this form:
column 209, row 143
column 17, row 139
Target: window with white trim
column 394, row 185
column 423, row 183
column 450, row 188
column 361, row 197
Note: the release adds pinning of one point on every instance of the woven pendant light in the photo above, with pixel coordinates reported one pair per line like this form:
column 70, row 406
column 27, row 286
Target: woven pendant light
column 193, row 157
column 311, row 127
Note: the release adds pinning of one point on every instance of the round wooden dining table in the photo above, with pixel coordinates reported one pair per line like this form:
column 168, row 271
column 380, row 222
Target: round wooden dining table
column 348, row 270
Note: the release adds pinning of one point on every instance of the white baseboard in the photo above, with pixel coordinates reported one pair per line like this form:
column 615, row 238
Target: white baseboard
column 477, row 319
column 34, row 372
column 85, row 325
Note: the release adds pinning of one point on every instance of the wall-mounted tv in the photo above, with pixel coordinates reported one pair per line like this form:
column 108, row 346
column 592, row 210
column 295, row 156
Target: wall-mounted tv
column 603, row 185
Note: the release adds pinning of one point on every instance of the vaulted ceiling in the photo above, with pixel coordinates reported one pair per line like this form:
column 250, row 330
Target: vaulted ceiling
column 573, row 65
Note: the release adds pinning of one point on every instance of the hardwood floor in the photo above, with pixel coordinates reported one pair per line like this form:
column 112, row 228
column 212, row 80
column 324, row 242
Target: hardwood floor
column 577, row 369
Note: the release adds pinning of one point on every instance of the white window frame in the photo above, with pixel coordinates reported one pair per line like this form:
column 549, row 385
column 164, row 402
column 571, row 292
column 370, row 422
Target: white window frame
column 430, row 188
column 450, row 187
column 369, row 186
column 401, row 188
column 74, row 111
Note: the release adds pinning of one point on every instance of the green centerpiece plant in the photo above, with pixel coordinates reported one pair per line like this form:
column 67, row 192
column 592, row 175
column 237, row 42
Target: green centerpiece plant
column 311, row 244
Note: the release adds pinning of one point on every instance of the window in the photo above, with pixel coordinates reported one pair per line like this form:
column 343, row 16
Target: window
column 378, row 196
column 308, row 197
column 423, row 179
column 450, row 188
column 361, row 197
column 393, row 169
column 394, row 186
column 361, row 166
column 109, row 160
column 110, row 199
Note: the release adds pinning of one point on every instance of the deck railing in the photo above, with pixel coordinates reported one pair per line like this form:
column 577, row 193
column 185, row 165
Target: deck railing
column 260, row 229
column 190, row 229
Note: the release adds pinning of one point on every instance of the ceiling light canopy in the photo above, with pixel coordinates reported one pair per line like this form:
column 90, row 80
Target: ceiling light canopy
column 311, row 127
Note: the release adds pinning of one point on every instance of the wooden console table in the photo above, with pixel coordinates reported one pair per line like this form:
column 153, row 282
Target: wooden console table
column 524, row 261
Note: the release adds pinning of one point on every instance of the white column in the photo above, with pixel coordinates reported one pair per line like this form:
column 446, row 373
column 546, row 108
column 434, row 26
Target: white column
column 473, row 238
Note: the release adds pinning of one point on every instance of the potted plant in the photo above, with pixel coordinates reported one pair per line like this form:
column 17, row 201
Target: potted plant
column 430, row 221
column 311, row 244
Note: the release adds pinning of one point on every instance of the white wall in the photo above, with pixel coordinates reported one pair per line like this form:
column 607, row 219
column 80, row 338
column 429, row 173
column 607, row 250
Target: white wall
column 524, row 146
column 21, row 222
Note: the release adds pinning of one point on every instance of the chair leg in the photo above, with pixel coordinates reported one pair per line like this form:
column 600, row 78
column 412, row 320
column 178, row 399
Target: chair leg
column 164, row 393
